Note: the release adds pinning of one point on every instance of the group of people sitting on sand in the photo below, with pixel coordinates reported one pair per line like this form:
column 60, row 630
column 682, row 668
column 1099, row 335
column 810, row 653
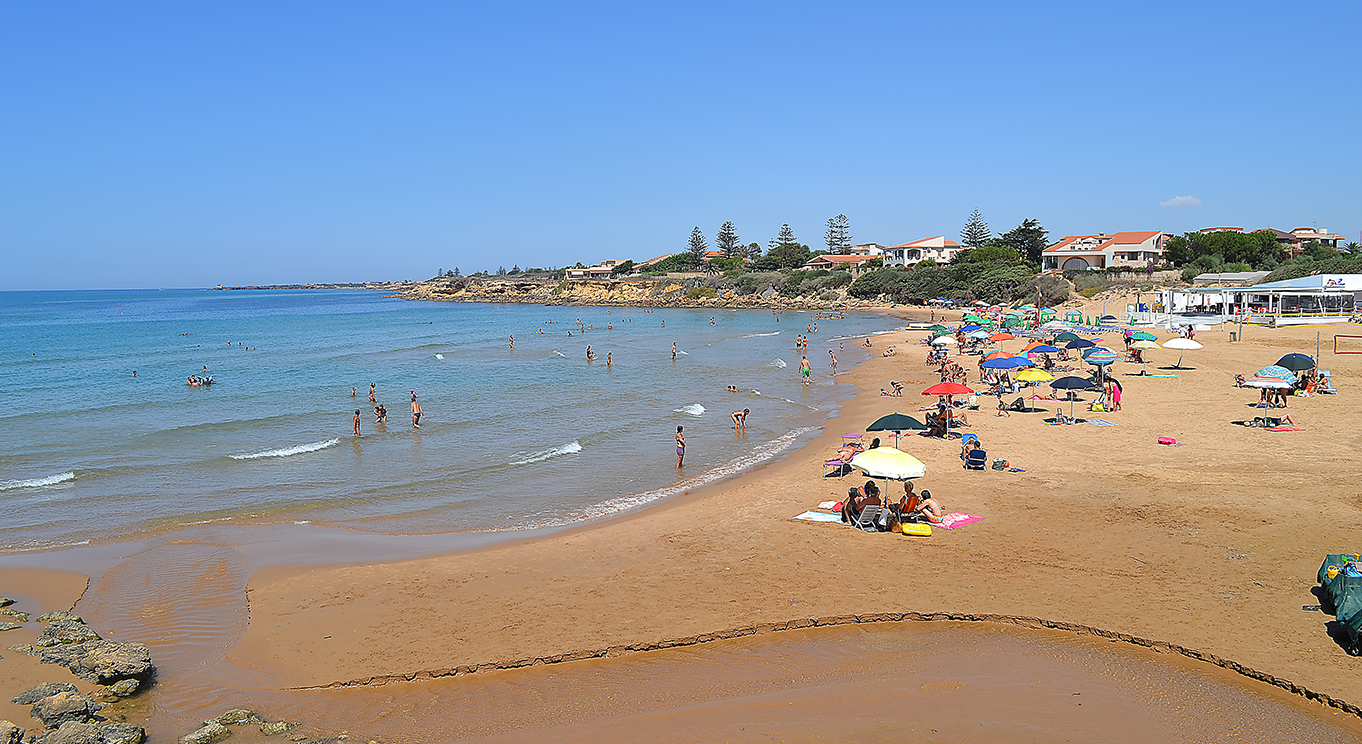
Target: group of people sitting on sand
column 952, row 372
column 911, row 507
column 895, row 389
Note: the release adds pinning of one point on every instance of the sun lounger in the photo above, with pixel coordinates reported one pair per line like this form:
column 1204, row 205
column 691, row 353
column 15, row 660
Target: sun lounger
column 834, row 469
column 977, row 459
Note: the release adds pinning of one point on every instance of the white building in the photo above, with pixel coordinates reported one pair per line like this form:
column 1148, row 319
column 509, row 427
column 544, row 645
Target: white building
column 866, row 249
column 1100, row 251
column 937, row 249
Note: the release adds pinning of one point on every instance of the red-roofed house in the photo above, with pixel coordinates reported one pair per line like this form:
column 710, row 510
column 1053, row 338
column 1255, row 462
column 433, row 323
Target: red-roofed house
column 1134, row 249
column 828, row 262
column 906, row 254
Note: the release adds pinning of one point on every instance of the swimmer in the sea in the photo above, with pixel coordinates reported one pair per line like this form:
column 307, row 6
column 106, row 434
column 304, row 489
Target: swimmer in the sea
column 356, row 422
column 352, row 391
column 608, row 364
column 512, row 341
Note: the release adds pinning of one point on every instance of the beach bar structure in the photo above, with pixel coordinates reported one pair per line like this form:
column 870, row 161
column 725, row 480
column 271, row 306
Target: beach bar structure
column 1308, row 300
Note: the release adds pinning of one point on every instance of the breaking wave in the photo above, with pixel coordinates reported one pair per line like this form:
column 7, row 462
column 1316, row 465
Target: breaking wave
column 779, row 363
column 694, row 409
column 50, row 480
column 759, row 335
column 570, row 448
column 297, row 449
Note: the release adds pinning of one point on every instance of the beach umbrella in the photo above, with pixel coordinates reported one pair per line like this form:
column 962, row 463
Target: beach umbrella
column 936, row 327
column 979, row 334
column 889, row 463
column 1143, row 336
column 1266, row 382
column 947, row 388
column 970, row 327
column 944, row 341
column 1068, row 336
column 1010, row 362
column 1001, row 337
column 1094, row 350
column 897, row 423
column 1273, row 370
column 980, row 302
column 1296, row 362
column 995, row 308
column 1079, row 343
column 1032, row 345
column 995, row 355
column 1034, row 375
column 1071, row 383
column 1041, row 349
column 1103, row 358
column 1144, row 344
column 1181, row 344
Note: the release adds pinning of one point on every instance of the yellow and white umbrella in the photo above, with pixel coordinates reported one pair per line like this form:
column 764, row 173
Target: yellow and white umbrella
column 889, row 463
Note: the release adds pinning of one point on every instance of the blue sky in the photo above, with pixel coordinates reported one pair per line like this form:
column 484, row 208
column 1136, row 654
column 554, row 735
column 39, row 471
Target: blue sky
column 191, row 144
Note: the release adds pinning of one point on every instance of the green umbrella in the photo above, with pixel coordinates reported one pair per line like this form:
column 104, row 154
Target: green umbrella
column 1067, row 336
column 1143, row 336
column 937, row 327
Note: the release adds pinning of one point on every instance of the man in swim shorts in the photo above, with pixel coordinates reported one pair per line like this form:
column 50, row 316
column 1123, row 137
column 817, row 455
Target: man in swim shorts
column 415, row 411
column 804, row 369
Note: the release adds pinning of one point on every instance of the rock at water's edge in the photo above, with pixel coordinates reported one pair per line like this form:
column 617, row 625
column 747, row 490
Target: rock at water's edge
column 38, row 692
column 212, row 732
column 54, row 710
column 276, row 727
column 10, row 733
column 48, row 617
column 6, row 601
column 237, row 717
column 124, row 687
column 73, row 732
column 122, row 733
column 102, row 661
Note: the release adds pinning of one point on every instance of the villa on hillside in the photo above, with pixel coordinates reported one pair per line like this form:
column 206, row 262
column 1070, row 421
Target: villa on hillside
column 936, row 249
column 828, row 262
column 601, row 270
column 1100, row 251
column 1293, row 241
column 867, row 249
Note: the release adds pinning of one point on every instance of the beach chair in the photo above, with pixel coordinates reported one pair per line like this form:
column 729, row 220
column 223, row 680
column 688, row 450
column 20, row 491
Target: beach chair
column 834, row 469
column 977, row 459
column 865, row 521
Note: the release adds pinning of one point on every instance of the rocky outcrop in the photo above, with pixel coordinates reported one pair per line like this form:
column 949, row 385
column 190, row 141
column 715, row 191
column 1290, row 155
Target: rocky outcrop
column 66, row 631
column 10, row 733
column 104, row 662
column 275, row 728
column 38, row 692
column 664, row 292
column 95, row 733
column 211, row 732
column 54, row 710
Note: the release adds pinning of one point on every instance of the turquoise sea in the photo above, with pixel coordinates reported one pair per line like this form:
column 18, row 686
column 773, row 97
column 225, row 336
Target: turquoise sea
column 511, row 439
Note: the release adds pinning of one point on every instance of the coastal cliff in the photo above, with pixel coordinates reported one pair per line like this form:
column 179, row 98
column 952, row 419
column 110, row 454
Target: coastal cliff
column 661, row 292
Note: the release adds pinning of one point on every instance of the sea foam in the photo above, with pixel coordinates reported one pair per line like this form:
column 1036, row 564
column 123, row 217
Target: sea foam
column 778, row 363
column 571, row 448
column 759, row 335
column 50, row 480
column 297, row 449
column 441, row 357
column 694, row 409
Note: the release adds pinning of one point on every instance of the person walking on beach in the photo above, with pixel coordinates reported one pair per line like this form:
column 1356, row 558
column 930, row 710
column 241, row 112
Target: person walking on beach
column 740, row 419
column 804, row 369
column 680, row 447
column 356, row 422
column 415, row 412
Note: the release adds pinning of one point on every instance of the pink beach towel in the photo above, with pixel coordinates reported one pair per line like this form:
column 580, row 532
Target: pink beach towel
column 958, row 519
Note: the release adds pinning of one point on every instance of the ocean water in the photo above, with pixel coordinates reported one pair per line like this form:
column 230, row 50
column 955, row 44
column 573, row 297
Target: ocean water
column 511, row 439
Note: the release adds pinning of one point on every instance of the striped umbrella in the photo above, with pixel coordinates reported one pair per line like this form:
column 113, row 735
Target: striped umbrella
column 1281, row 373
column 1102, row 358
column 1143, row 336
column 1267, row 382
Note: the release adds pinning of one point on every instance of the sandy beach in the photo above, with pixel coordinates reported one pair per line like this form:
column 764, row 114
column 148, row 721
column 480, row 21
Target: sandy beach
column 1212, row 546
column 1207, row 549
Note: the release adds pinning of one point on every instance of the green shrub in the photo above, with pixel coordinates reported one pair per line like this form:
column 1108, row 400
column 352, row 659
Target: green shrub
column 697, row 293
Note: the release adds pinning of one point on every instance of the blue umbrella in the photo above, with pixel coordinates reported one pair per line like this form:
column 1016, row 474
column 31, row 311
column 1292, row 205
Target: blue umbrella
column 1296, row 362
column 1281, row 373
column 1103, row 358
column 1042, row 349
column 971, row 327
column 1071, row 383
column 1079, row 343
column 1094, row 350
column 1006, row 363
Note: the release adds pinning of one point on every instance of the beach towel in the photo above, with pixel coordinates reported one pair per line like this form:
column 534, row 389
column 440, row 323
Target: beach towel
column 1101, row 422
column 958, row 519
column 830, row 505
column 1283, row 428
column 814, row 516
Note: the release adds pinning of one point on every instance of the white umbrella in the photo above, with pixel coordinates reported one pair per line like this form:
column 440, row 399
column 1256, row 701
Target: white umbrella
column 1182, row 344
column 944, row 341
column 1267, row 382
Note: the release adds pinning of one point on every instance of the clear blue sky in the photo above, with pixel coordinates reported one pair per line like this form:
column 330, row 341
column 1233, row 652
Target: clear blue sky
column 191, row 144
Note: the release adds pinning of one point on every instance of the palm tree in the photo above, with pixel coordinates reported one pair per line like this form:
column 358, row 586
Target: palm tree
column 1354, row 247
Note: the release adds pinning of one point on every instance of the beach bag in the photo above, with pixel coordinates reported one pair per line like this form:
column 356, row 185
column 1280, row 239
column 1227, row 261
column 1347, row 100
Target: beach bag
column 1335, row 560
column 999, row 463
column 1097, row 407
column 1167, row 440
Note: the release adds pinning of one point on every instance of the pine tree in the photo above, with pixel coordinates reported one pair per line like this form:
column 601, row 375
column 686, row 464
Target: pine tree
column 698, row 246
column 838, row 236
column 753, row 251
column 1028, row 239
column 786, row 237
column 727, row 241
column 976, row 232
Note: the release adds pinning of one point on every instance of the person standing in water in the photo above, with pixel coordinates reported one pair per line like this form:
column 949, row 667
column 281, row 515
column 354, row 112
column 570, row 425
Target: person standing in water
column 740, row 419
column 590, row 355
column 352, row 391
column 356, row 422
column 608, row 365
column 372, row 399
column 834, row 362
column 511, row 341
column 805, row 369
column 673, row 351
column 680, row 447
column 415, row 411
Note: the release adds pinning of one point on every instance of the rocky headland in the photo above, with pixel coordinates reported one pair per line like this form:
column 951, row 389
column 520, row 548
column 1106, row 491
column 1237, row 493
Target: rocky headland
column 693, row 291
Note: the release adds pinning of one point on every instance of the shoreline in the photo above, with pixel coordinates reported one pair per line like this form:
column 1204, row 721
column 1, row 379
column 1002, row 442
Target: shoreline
column 655, row 577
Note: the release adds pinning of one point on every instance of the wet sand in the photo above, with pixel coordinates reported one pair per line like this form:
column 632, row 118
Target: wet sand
column 1212, row 546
